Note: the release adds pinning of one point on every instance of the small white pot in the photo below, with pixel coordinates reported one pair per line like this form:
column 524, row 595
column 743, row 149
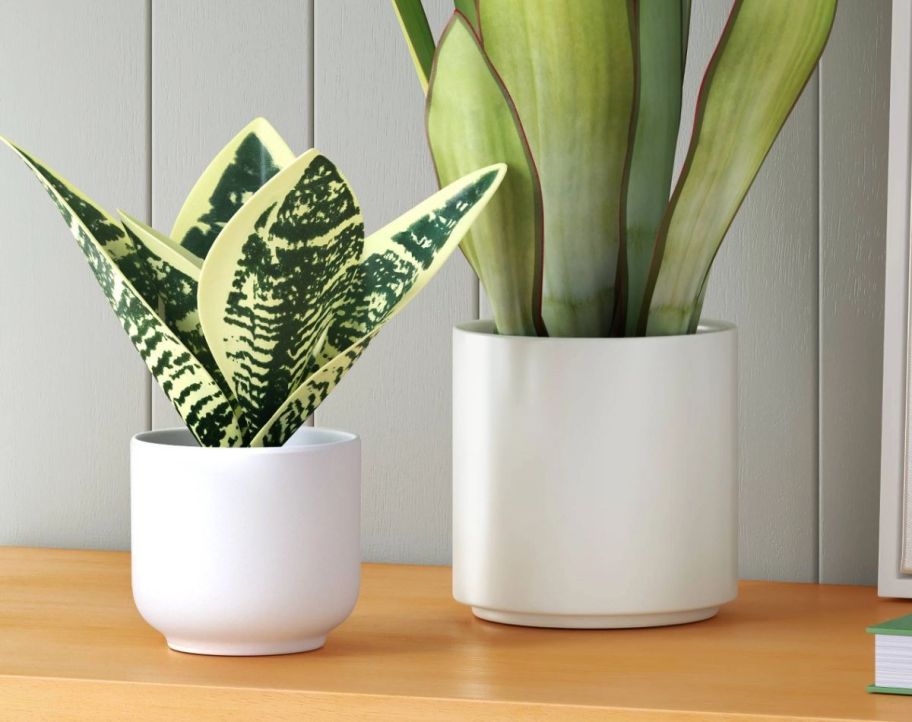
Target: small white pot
column 246, row 551
column 595, row 481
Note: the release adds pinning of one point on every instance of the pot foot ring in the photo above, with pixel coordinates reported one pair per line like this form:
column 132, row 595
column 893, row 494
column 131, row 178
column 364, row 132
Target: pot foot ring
column 594, row 621
column 245, row 649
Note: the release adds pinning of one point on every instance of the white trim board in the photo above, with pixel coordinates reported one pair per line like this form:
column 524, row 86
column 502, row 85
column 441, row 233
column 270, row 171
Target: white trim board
column 896, row 291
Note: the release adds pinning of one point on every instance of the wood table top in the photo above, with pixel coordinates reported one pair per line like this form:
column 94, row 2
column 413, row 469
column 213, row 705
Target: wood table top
column 73, row 647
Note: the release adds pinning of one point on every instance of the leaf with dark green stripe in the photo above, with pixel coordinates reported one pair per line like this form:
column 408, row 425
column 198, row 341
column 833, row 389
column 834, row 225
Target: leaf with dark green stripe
column 570, row 72
column 660, row 72
column 176, row 272
column 400, row 259
column 396, row 263
column 241, row 168
column 268, row 284
column 308, row 396
column 765, row 57
column 418, row 35
column 159, row 246
column 471, row 122
column 118, row 267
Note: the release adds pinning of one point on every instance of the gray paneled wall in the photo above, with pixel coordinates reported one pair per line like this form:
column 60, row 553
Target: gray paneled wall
column 854, row 110
column 73, row 87
column 368, row 117
column 765, row 280
column 130, row 99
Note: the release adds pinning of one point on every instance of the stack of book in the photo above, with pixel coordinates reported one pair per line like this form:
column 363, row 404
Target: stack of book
column 892, row 656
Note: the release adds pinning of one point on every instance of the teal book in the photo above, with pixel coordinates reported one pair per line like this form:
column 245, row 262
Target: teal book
column 892, row 656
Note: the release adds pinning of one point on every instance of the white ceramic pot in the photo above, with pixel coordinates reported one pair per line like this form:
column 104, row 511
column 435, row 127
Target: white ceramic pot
column 595, row 481
column 246, row 551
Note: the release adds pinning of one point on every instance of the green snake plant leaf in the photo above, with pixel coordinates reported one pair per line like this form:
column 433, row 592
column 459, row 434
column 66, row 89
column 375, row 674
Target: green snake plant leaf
column 418, row 35
column 250, row 159
column 660, row 71
column 685, row 30
column 119, row 269
column 472, row 122
column 698, row 308
column 268, row 287
column 570, row 73
column 469, row 10
column 176, row 272
column 767, row 53
column 396, row 263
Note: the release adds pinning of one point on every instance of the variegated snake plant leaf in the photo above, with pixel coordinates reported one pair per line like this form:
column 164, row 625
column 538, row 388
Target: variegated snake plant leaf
column 240, row 169
column 395, row 264
column 130, row 287
column 270, row 291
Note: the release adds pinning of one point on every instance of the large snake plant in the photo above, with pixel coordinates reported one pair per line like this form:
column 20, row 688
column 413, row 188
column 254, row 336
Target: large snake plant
column 267, row 290
column 582, row 100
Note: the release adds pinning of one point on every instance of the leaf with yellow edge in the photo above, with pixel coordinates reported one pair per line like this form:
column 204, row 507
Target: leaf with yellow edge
column 176, row 272
column 396, row 263
column 417, row 33
column 126, row 282
column 162, row 247
column 269, row 285
column 240, row 169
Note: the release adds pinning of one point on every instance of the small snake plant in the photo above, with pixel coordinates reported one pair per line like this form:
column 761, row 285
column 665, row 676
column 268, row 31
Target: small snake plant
column 267, row 290
column 582, row 100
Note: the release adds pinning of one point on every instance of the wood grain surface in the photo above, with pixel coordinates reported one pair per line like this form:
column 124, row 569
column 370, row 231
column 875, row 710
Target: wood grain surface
column 73, row 647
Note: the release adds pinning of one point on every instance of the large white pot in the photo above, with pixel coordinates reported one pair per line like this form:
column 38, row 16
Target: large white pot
column 595, row 481
column 246, row 551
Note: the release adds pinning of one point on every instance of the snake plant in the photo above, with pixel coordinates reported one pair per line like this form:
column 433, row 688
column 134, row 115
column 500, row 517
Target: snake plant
column 267, row 290
column 582, row 100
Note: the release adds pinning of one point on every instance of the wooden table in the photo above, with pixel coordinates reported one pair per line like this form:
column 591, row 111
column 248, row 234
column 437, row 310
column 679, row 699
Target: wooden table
column 72, row 647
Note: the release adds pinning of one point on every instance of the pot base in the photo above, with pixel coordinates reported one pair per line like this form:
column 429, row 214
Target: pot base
column 594, row 621
column 246, row 649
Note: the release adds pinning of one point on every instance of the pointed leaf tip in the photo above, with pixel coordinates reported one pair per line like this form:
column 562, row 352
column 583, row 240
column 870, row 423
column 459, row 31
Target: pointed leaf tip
column 253, row 156
column 397, row 262
column 766, row 56
column 130, row 289
column 267, row 290
column 467, row 97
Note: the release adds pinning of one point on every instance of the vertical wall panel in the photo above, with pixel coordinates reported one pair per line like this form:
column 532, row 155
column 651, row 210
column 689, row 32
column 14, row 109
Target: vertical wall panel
column 72, row 389
column 215, row 67
column 369, row 118
column 765, row 281
column 854, row 109
column 801, row 271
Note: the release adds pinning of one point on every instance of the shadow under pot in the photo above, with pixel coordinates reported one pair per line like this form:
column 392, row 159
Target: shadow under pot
column 246, row 551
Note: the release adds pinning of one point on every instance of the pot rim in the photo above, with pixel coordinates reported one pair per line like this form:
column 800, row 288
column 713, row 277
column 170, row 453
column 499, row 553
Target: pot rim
column 485, row 327
column 178, row 439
